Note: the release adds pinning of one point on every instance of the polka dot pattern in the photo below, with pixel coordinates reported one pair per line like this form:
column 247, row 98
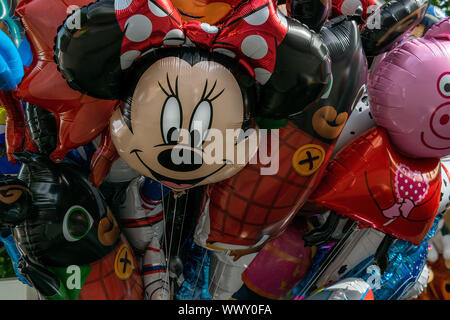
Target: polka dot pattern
column 138, row 28
column 255, row 47
column 248, row 35
column 410, row 184
column 122, row 4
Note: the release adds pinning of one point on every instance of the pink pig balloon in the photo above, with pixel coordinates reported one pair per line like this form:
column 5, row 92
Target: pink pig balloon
column 410, row 94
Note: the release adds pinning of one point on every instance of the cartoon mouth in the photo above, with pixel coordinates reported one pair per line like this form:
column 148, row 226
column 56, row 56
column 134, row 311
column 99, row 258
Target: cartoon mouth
column 176, row 184
column 429, row 146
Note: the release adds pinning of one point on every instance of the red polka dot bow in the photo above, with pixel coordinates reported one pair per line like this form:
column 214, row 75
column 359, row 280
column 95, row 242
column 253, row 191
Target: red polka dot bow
column 251, row 33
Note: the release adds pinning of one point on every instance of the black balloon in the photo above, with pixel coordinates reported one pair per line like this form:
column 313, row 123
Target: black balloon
column 313, row 13
column 42, row 127
column 349, row 77
column 391, row 23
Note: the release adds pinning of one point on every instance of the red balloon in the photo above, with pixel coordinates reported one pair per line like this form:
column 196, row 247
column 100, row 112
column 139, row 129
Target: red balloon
column 249, row 208
column 80, row 118
column 370, row 182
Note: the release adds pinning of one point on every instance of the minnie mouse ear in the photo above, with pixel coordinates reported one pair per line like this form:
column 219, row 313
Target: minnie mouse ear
column 440, row 30
column 87, row 50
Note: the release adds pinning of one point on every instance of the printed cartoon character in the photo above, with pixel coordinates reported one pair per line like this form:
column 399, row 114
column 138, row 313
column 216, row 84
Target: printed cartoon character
column 175, row 73
column 241, row 214
column 71, row 245
column 141, row 219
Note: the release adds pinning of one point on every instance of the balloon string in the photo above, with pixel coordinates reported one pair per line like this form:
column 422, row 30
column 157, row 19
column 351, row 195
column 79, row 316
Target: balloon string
column 166, row 285
column 199, row 274
column 218, row 282
column 171, row 232
column 182, row 224
column 212, row 277
column 329, row 259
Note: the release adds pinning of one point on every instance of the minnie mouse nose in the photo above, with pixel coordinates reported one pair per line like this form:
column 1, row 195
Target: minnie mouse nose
column 180, row 159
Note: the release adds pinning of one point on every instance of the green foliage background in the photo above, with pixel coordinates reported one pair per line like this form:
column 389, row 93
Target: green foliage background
column 444, row 4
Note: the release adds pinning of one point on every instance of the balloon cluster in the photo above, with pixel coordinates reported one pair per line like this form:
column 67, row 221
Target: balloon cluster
column 217, row 149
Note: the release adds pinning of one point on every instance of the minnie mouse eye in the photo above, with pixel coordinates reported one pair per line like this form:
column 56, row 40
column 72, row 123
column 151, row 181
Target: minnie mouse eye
column 76, row 224
column 444, row 85
column 171, row 120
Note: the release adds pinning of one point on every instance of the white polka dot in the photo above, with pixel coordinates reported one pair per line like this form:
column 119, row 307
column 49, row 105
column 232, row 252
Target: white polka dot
column 420, row 185
column 406, row 193
column 282, row 18
column 255, row 47
column 411, row 186
column 127, row 59
column 401, row 188
column 259, row 17
column 262, row 75
column 156, row 10
column 225, row 52
column 406, row 181
column 138, row 28
column 401, row 176
column 424, row 189
column 415, row 192
column 122, row 4
column 209, row 28
column 174, row 37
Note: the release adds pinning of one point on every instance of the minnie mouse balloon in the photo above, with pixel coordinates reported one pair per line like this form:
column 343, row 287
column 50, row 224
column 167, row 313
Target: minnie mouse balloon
column 410, row 94
column 181, row 79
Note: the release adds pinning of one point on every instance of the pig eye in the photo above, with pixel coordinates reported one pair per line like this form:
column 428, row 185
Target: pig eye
column 77, row 224
column 444, row 85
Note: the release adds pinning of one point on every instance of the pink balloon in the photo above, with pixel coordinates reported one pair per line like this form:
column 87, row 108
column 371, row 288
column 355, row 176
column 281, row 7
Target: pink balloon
column 410, row 94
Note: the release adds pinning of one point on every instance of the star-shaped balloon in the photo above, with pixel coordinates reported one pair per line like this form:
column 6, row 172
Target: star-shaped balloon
column 80, row 118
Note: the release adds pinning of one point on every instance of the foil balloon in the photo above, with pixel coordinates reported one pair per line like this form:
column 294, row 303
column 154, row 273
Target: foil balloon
column 415, row 110
column 41, row 125
column 250, row 208
column 44, row 86
column 359, row 122
column 10, row 64
column 312, row 13
column 434, row 15
column 193, row 69
column 348, row 289
column 369, row 181
column 280, row 265
column 391, row 23
column 362, row 8
column 6, row 167
column 71, row 246
column 404, row 276
column 13, row 27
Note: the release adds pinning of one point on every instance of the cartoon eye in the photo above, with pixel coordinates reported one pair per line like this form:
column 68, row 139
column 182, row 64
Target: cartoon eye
column 201, row 122
column 329, row 88
column 444, row 85
column 77, row 223
column 171, row 120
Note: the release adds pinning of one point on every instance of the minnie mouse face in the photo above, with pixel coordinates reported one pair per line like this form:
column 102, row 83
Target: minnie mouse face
column 208, row 11
column 171, row 114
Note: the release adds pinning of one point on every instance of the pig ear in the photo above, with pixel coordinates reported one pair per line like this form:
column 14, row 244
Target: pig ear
column 440, row 30
column 87, row 50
